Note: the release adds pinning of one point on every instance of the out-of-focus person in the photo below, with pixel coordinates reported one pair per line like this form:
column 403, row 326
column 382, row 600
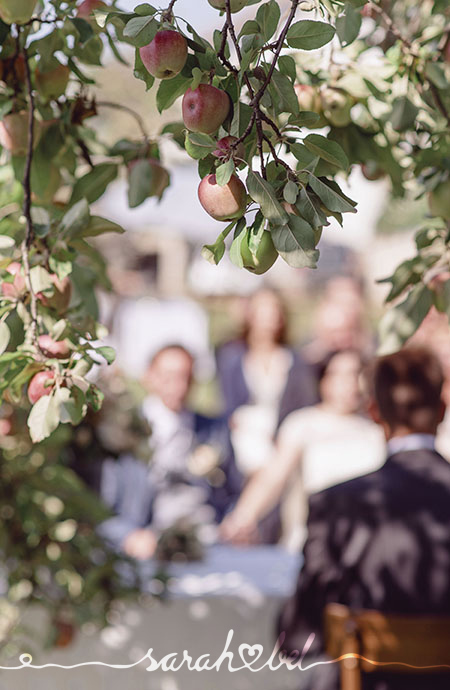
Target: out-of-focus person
column 316, row 447
column 192, row 478
column 382, row 541
column 262, row 380
column 339, row 322
column 434, row 333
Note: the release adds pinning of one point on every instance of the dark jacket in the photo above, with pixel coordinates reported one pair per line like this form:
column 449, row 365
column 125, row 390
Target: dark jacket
column 300, row 390
column 126, row 486
column 380, row 542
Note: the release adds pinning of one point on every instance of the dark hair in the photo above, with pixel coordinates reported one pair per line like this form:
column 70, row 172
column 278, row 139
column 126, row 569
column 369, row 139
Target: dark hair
column 281, row 335
column 167, row 348
column 321, row 367
column 407, row 387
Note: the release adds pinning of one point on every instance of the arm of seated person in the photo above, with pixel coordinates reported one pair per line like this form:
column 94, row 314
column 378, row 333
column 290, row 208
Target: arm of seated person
column 140, row 544
column 265, row 488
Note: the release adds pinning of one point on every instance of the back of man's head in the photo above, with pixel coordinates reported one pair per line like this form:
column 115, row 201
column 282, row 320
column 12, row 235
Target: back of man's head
column 407, row 388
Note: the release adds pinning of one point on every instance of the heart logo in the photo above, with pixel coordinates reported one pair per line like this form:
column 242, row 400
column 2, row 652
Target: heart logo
column 250, row 653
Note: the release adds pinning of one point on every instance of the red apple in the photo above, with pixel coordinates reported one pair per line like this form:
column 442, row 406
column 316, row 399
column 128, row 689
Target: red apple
column 205, row 108
column 336, row 106
column 372, row 171
column 223, row 203
column 17, row 287
column 16, row 11
column 61, row 296
column 87, row 7
column 224, row 149
column 53, row 348
column 258, row 260
column 166, row 55
column 52, row 84
column 40, row 385
column 235, row 5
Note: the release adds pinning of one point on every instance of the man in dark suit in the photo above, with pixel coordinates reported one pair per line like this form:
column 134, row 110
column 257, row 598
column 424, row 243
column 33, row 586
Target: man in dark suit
column 192, row 478
column 382, row 541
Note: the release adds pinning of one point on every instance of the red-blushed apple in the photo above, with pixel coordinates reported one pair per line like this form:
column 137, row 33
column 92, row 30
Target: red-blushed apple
column 87, row 7
column 62, row 293
column 225, row 149
column 53, row 348
column 235, row 5
column 16, row 11
column 17, row 287
column 14, row 133
column 372, row 171
column 205, row 108
column 40, row 385
column 336, row 105
column 166, row 55
column 160, row 178
column 439, row 200
column 52, row 84
column 258, row 260
column 223, row 203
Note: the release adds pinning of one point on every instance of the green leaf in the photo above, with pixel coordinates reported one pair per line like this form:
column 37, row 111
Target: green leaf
column 141, row 30
column 235, row 248
column 403, row 114
column 84, row 29
column 283, row 94
column 287, row 66
column 214, row 252
column 43, row 418
column 329, row 150
column 295, row 242
column 139, row 183
column 144, row 9
column 330, row 198
column 199, row 145
column 267, row 17
column 401, row 322
column 171, row 89
column 264, row 195
column 98, row 226
column 310, row 35
column 348, row 24
column 40, row 279
column 290, row 192
column 6, row 242
column 5, row 335
column 95, row 183
column 224, row 172
column 71, row 404
column 107, row 353
column 76, row 218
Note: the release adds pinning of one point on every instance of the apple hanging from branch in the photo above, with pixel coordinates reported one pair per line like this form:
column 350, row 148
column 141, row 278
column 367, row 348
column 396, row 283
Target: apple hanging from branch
column 205, row 108
column 223, row 203
column 258, row 255
column 17, row 288
column 40, row 385
column 52, row 83
column 166, row 55
column 53, row 348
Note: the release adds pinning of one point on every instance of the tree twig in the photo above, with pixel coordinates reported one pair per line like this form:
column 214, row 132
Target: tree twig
column 130, row 111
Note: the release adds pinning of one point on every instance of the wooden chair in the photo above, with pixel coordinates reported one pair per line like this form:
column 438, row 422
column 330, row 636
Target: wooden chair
column 384, row 639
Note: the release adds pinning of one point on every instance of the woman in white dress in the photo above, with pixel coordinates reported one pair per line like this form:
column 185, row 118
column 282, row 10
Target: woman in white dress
column 316, row 447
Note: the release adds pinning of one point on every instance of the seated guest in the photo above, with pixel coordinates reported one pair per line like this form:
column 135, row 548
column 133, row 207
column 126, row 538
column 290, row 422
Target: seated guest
column 316, row 447
column 382, row 541
column 192, row 478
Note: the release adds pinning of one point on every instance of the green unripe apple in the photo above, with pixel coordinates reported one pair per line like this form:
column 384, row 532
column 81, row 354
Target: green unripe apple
column 336, row 105
column 225, row 202
column 17, row 11
column 235, row 5
column 258, row 260
column 166, row 55
column 439, row 200
column 52, row 84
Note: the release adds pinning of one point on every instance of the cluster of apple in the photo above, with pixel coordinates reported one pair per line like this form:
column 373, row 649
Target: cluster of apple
column 58, row 301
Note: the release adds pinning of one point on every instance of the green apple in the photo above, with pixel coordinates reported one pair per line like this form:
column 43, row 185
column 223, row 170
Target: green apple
column 260, row 258
column 17, row 11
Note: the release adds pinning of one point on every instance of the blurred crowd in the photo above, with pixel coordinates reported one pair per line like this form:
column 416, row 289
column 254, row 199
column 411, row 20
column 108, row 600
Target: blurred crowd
column 287, row 417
